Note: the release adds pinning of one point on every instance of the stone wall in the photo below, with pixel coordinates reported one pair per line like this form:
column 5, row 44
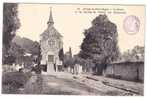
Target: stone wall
column 133, row 71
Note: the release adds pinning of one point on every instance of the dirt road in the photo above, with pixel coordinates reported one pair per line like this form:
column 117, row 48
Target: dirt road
column 68, row 84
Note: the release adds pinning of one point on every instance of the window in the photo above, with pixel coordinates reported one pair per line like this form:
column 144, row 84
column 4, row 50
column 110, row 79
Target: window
column 51, row 43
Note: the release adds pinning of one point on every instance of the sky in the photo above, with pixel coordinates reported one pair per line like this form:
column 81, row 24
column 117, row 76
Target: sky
column 71, row 24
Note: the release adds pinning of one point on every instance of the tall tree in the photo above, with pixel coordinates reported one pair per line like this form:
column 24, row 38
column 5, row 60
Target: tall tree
column 70, row 52
column 61, row 54
column 10, row 25
column 100, row 43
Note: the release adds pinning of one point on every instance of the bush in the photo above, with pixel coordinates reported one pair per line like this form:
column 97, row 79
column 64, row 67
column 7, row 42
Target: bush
column 14, row 80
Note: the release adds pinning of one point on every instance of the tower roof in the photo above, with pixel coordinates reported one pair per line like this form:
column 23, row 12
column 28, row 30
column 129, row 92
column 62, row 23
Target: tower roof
column 51, row 21
column 51, row 31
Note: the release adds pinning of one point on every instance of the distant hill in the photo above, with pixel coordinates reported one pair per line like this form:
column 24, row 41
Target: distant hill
column 27, row 44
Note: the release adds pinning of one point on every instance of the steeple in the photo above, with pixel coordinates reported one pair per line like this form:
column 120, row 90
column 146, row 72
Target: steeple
column 50, row 22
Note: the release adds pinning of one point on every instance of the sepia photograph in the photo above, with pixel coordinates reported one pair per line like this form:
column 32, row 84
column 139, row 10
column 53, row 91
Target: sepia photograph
column 73, row 49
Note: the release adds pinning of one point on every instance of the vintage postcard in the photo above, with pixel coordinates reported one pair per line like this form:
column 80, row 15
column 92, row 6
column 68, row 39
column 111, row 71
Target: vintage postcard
column 73, row 49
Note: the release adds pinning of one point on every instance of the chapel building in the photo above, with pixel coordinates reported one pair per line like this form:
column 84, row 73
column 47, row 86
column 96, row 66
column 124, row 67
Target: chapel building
column 51, row 43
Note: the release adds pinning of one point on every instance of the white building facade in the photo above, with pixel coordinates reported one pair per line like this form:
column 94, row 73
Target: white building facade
column 51, row 43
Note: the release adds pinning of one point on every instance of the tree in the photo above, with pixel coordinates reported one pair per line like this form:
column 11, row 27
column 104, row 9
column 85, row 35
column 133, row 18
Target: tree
column 35, row 48
column 14, row 52
column 87, row 64
column 126, row 56
column 100, row 43
column 68, row 62
column 10, row 25
column 37, row 60
column 136, row 54
column 70, row 52
column 61, row 54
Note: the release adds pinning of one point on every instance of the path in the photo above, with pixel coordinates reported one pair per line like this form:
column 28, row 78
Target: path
column 68, row 84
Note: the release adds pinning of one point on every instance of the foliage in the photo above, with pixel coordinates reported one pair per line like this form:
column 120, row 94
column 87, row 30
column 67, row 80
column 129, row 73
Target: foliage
column 15, row 50
column 35, row 48
column 10, row 22
column 28, row 45
column 10, row 25
column 68, row 59
column 70, row 52
column 14, row 53
column 11, row 81
column 61, row 54
column 9, row 60
column 68, row 62
column 38, row 67
column 87, row 64
column 100, row 42
column 136, row 54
